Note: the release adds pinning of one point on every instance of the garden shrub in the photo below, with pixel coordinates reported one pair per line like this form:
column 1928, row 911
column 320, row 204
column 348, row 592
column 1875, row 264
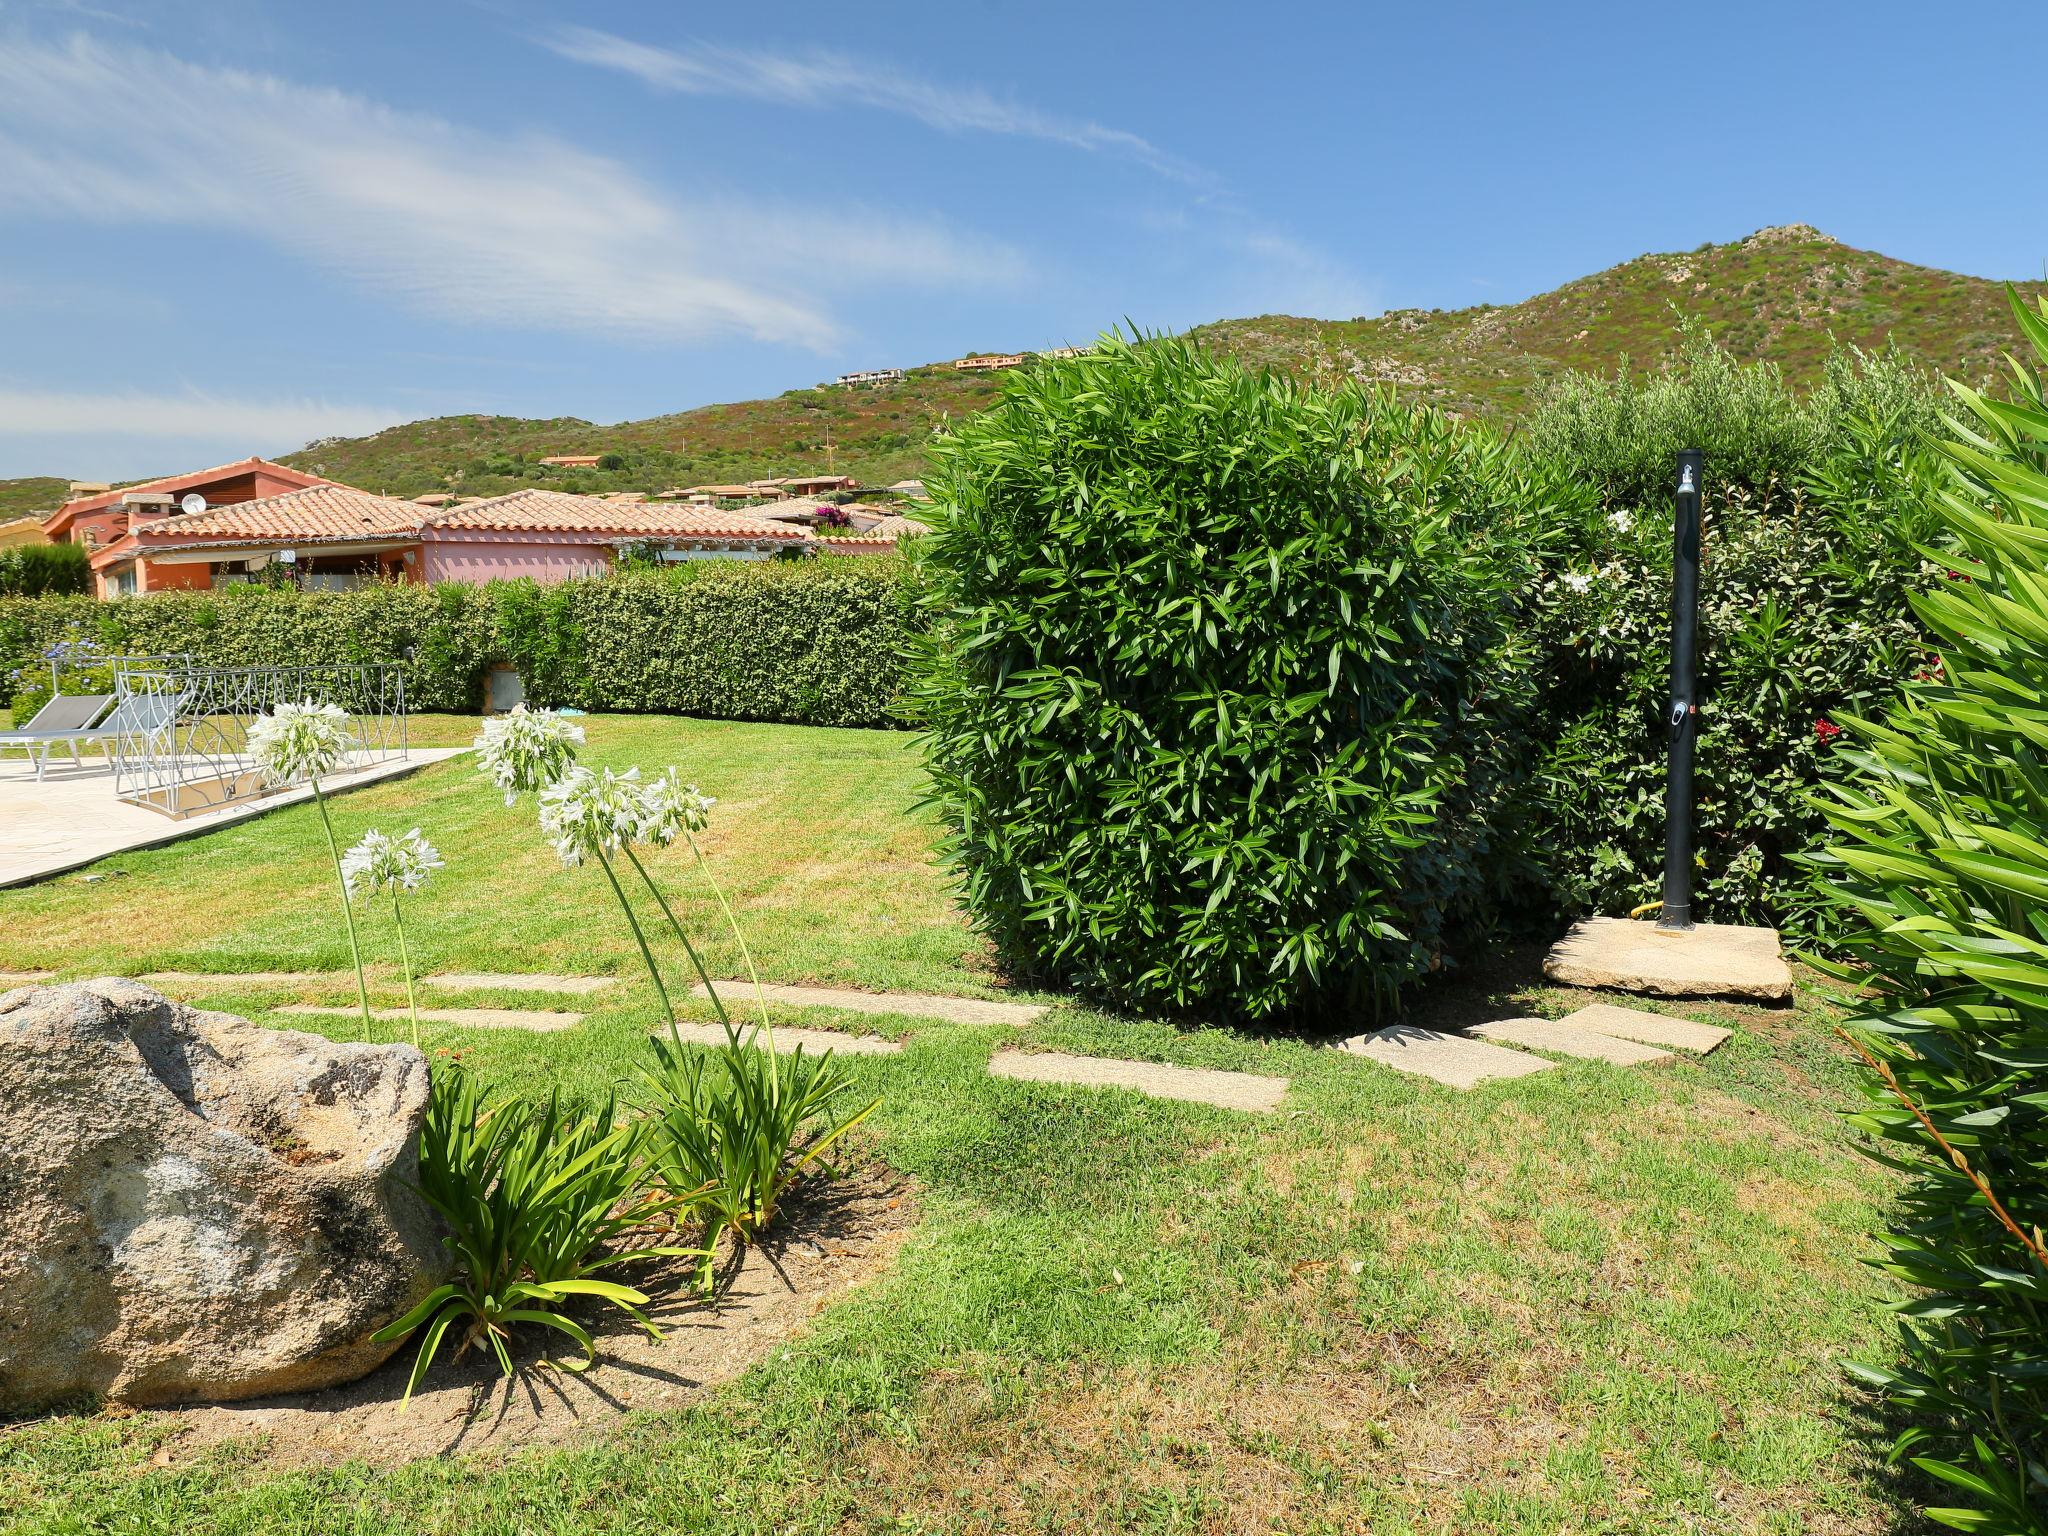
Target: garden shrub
column 1222, row 705
column 30, row 570
column 1810, row 560
column 810, row 641
column 1943, row 864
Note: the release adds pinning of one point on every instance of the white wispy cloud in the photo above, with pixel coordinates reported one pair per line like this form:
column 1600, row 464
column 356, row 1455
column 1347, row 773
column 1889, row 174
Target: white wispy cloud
column 279, row 423
column 522, row 231
column 835, row 80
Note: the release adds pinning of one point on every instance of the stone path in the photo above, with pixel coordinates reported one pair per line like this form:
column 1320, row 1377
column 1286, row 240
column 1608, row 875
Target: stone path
column 920, row 1005
column 476, row 1018
column 1453, row 1059
column 1650, row 1028
column 1712, row 960
column 12, row 979
column 1196, row 1085
column 816, row 1041
column 1565, row 1039
column 186, row 981
column 577, row 986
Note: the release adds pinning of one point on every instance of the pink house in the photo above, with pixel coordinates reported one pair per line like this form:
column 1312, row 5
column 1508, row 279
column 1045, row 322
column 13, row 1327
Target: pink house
column 336, row 536
column 553, row 535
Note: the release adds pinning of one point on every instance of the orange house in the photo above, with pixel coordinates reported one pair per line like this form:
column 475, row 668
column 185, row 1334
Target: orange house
column 107, row 522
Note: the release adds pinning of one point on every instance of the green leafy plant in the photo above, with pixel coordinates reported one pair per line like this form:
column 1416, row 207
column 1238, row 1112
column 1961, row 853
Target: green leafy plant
column 731, row 1130
column 1221, row 710
column 1942, row 861
column 536, row 1197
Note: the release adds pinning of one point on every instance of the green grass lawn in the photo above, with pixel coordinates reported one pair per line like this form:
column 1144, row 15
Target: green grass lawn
column 1591, row 1300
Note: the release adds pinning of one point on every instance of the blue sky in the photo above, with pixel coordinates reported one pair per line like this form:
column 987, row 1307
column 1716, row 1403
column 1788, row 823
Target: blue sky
column 229, row 227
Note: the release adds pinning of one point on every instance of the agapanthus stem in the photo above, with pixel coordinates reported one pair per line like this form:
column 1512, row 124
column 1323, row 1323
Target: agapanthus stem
column 732, row 922
column 683, row 938
column 405, row 961
column 646, row 954
column 348, row 915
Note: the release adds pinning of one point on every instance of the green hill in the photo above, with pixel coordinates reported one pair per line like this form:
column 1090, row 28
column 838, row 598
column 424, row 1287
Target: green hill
column 1785, row 295
column 31, row 493
column 876, row 434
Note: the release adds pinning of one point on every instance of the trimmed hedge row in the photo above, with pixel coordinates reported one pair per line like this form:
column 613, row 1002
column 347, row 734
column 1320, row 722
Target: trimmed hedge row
column 813, row 643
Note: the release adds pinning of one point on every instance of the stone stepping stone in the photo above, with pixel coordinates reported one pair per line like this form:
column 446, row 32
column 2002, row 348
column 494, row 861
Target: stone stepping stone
column 222, row 980
column 579, row 986
column 1195, row 1085
column 1649, row 1028
column 475, row 1018
column 816, row 1041
column 1454, row 1060
column 11, row 979
column 920, row 1005
column 1562, row 1039
column 1712, row 960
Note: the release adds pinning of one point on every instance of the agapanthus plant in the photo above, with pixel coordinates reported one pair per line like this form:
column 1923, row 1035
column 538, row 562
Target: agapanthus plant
column 309, row 741
column 394, row 864
column 527, row 750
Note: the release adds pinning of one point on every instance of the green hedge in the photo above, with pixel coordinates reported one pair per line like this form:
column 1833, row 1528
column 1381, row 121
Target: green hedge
column 815, row 642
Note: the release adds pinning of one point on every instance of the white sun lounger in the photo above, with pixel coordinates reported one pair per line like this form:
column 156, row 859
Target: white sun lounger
column 139, row 714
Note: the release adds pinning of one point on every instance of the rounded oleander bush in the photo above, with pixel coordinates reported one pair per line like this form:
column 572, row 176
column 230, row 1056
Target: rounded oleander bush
column 1224, row 708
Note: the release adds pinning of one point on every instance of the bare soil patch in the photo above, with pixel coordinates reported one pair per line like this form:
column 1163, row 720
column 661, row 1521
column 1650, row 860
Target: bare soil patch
column 833, row 1236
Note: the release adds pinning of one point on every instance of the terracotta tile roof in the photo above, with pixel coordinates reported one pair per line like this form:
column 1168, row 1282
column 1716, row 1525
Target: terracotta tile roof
column 317, row 514
column 107, row 498
column 540, row 511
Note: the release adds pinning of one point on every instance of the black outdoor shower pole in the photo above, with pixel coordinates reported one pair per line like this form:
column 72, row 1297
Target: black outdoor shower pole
column 1684, row 716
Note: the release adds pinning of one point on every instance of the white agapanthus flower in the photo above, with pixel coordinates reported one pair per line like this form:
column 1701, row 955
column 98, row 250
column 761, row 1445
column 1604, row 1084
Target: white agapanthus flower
column 300, row 741
column 587, row 814
column 380, row 863
column 669, row 808
column 527, row 750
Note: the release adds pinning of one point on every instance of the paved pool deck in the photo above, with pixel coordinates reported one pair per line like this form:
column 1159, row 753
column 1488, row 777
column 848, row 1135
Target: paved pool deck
column 71, row 818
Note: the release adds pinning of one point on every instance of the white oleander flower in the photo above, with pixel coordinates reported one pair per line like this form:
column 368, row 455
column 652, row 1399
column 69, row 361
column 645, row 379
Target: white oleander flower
column 1623, row 523
column 1578, row 581
column 300, row 741
column 527, row 750
column 380, row 863
column 587, row 814
column 669, row 808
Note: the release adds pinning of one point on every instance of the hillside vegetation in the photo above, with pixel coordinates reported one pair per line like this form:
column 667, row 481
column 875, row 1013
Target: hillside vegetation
column 30, row 493
column 1785, row 295
column 875, row 434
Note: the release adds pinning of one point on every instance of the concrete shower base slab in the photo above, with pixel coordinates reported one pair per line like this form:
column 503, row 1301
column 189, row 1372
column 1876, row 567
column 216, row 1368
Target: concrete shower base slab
column 1712, row 960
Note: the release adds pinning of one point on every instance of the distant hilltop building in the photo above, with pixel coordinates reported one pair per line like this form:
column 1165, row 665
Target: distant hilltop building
column 990, row 362
column 870, row 376
column 572, row 461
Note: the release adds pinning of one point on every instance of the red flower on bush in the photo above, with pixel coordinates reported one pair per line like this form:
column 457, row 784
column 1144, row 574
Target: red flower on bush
column 1826, row 730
